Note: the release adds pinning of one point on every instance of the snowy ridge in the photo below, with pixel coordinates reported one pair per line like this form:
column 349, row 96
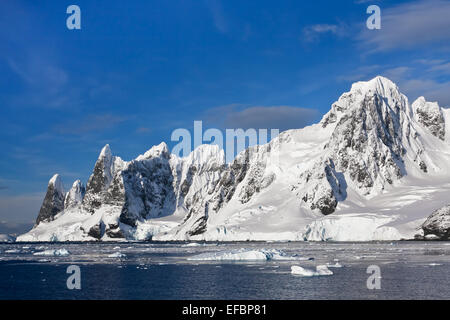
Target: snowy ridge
column 374, row 168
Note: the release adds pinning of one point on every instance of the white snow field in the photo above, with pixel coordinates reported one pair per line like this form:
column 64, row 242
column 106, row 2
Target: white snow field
column 296, row 178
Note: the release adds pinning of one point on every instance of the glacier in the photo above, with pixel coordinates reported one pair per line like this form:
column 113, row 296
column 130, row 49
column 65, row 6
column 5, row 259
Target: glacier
column 374, row 168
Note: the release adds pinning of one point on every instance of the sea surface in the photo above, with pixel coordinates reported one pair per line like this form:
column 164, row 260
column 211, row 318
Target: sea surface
column 408, row 270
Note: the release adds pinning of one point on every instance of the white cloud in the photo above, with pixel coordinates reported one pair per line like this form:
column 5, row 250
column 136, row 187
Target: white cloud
column 261, row 117
column 313, row 32
column 441, row 68
column 410, row 25
column 218, row 15
column 432, row 90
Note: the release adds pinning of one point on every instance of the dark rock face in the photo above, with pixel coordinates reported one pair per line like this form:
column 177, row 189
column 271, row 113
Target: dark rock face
column 53, row 201
column 429, row 114
column 99, row 183
column 113, row 231
column 438, row 223
column 148, row 189
column 97, row 230
column 325, row 187
column 367, row 143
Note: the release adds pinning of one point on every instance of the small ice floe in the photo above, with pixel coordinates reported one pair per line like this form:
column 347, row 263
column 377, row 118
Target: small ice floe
column 142, row 267
column 192, row 244
column 116, row 248
column 246, row 255
column 321, row 270
column 335, row 265
column 435, row 264
column 12, row 251
column 117, row 255
column 53, row 252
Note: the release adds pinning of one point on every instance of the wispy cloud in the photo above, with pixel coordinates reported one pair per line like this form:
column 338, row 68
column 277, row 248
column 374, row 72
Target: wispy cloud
column 410, row 25
column 20, row 208
column 314, row 32
column 429, row 88
column 90, row 123
column 15, row 228
column 218, row 15
column 441, row 68
column 143, row 130
column 261, row 117
column 360, row 73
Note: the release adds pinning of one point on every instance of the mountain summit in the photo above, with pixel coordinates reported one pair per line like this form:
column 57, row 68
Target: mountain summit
column 373, row 168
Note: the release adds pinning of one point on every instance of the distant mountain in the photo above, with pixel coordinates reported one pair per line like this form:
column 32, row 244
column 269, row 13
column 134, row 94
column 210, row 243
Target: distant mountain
column 14, row 229
column 374, row 168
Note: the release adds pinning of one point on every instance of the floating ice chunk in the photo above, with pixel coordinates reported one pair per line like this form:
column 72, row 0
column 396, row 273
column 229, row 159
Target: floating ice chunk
column 336, row 265
column 53, row 252
column 193, row 244
column 117, row 255
column 297, row 270
column 246, row 254
column 321, row 270
column 435, row 264
column 12, row 251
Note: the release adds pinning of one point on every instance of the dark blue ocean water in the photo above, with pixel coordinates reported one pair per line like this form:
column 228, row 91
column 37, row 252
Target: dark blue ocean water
column 409, row 270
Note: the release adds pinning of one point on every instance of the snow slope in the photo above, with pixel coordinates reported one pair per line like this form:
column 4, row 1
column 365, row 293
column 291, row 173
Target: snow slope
column 374, row 168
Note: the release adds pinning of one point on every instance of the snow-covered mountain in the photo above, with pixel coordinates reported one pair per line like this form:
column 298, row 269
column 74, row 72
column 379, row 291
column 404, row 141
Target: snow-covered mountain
column 374, row 168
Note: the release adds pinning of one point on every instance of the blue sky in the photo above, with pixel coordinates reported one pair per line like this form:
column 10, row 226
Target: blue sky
column 137, row 70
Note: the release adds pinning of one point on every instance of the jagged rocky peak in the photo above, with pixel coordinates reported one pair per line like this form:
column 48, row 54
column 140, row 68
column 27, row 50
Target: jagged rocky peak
column 438, row 223
column 56, row 182
column 429, row 114
column 75, row 195
column 53, row 202
column 101, row 178
column 371, row 135
column 161, row 150
column 206, row 155
column 379, row 86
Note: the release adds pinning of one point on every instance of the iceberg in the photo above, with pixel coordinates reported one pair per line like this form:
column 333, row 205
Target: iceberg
column 117, row 255
column 53, row 252
column 246, row 255
column 321, row 270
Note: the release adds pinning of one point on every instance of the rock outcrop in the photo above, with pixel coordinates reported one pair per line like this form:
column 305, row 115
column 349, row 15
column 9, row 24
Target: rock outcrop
column 429, row 114
column 438, row 224
column 53, row 201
